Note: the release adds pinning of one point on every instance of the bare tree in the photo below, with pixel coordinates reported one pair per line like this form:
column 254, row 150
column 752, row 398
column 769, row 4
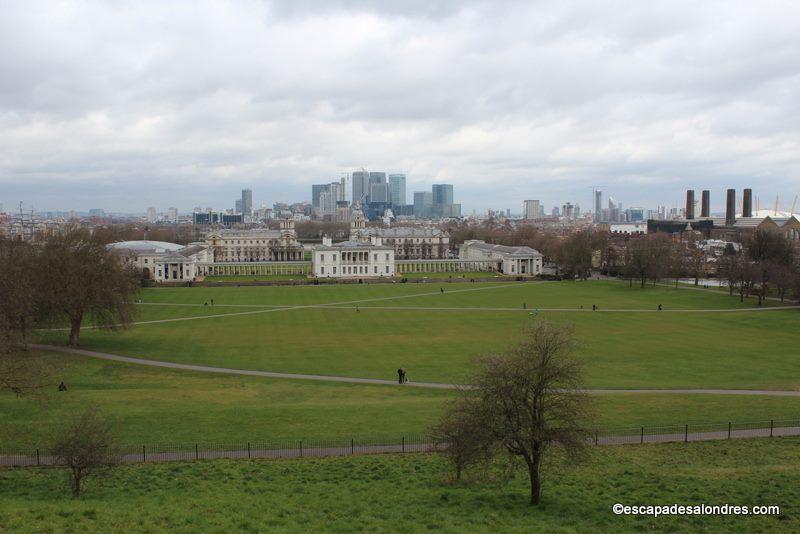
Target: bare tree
column 21, row 371
column 82, row 279
column 532, row 398
column 85, row 444
column 464, row 434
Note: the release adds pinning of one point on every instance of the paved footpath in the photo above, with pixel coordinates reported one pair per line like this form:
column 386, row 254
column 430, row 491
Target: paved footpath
column 355, row 380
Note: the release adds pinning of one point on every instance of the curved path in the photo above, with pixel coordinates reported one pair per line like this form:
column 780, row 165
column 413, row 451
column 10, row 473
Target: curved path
column 354, row 380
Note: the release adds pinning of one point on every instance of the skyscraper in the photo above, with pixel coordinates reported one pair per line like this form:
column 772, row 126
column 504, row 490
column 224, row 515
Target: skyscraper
column 443, row 201
column 247, row 202
column 423, row 200
column 360, row 186
column 316, row 189
column 532, row 209
column 442, row 193
column 598, row 206
column 397, row 189
column 378, row 192
column 151, row 215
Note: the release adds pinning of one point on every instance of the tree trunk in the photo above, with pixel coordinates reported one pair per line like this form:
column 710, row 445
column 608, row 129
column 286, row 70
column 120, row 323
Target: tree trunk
column 76, row 482
column 536, row 483
column 458, row 472
column 75, row 332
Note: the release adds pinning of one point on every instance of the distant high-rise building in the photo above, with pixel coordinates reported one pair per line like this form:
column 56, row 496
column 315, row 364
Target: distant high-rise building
column 378, row 192
column 316, row 189
column 423, row 201
column 598, row 206
column 172, row 215
column 532, row 209
column 377, row 177
column 397, row 189
column 360, row 186
column 151, row 215
column 237, row 206
column 247, row 202
column 635, row 214
column 442, row 193
column 568, row 211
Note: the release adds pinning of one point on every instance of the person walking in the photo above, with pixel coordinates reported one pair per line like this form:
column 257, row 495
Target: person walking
column 401, row 375
column 594, row 307
column 442, row 290
column 659, row 307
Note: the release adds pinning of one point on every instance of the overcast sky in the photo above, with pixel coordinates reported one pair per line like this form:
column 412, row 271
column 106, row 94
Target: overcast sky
column 125, row 105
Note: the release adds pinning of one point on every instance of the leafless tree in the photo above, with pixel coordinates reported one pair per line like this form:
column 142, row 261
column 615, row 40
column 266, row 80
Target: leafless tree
column 21, row 371
column 81, row 279
column 464, row 434
column 532, row 398
column 85, row 444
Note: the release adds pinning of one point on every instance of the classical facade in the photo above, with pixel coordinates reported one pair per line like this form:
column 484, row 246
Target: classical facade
column 353, row 259
column 260, row 244
column 509, row 260
column 408, row 242
column 161, row 261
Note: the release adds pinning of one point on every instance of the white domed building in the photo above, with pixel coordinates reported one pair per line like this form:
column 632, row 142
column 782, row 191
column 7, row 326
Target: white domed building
column 161, row 261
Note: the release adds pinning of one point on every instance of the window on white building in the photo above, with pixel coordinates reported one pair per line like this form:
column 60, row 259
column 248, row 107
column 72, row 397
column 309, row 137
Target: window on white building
column 322, row 257
column 387, row 269
column 387, row 257
column 322, row 270
column 375, row 269
column 334, row 270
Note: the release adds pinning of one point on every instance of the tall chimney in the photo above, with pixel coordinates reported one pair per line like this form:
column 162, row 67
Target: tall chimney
column 747, row 203
column 690, row 204
column 730, row 210
column 705, row 204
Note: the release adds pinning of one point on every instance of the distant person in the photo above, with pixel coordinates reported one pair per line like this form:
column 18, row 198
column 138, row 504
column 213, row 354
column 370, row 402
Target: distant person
column 659, row 307
column 442, row 290
column 205, row 303
column 594, row 307
column 524, row 306
column 401, row 375
column 212, row 302
column 62, row 386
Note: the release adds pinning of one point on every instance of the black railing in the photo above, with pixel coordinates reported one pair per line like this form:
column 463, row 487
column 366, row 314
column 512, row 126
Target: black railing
column 165, row 452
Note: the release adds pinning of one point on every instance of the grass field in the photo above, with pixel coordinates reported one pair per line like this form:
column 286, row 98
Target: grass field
column 255, row 278
column 370, row 330
column 411, row 493
column 150, row 405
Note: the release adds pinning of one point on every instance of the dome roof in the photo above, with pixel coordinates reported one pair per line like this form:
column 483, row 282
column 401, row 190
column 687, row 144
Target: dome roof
column 146, row 246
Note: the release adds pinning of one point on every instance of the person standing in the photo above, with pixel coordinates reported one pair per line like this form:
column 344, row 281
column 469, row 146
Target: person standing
column 400, row 375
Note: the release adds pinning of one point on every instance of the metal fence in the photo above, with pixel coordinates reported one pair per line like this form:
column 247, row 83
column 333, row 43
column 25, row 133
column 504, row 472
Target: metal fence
column 166, row 452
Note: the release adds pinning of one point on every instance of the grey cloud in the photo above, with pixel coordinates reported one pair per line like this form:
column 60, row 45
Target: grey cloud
column 505, row 99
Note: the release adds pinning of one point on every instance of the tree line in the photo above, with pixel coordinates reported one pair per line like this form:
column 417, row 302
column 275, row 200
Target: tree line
column 65, row 281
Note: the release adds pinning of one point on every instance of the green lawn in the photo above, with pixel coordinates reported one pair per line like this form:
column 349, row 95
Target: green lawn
column 152, row 405
column 255, row 278
column 370, row 330
column 412, row 493
column 467, row 275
